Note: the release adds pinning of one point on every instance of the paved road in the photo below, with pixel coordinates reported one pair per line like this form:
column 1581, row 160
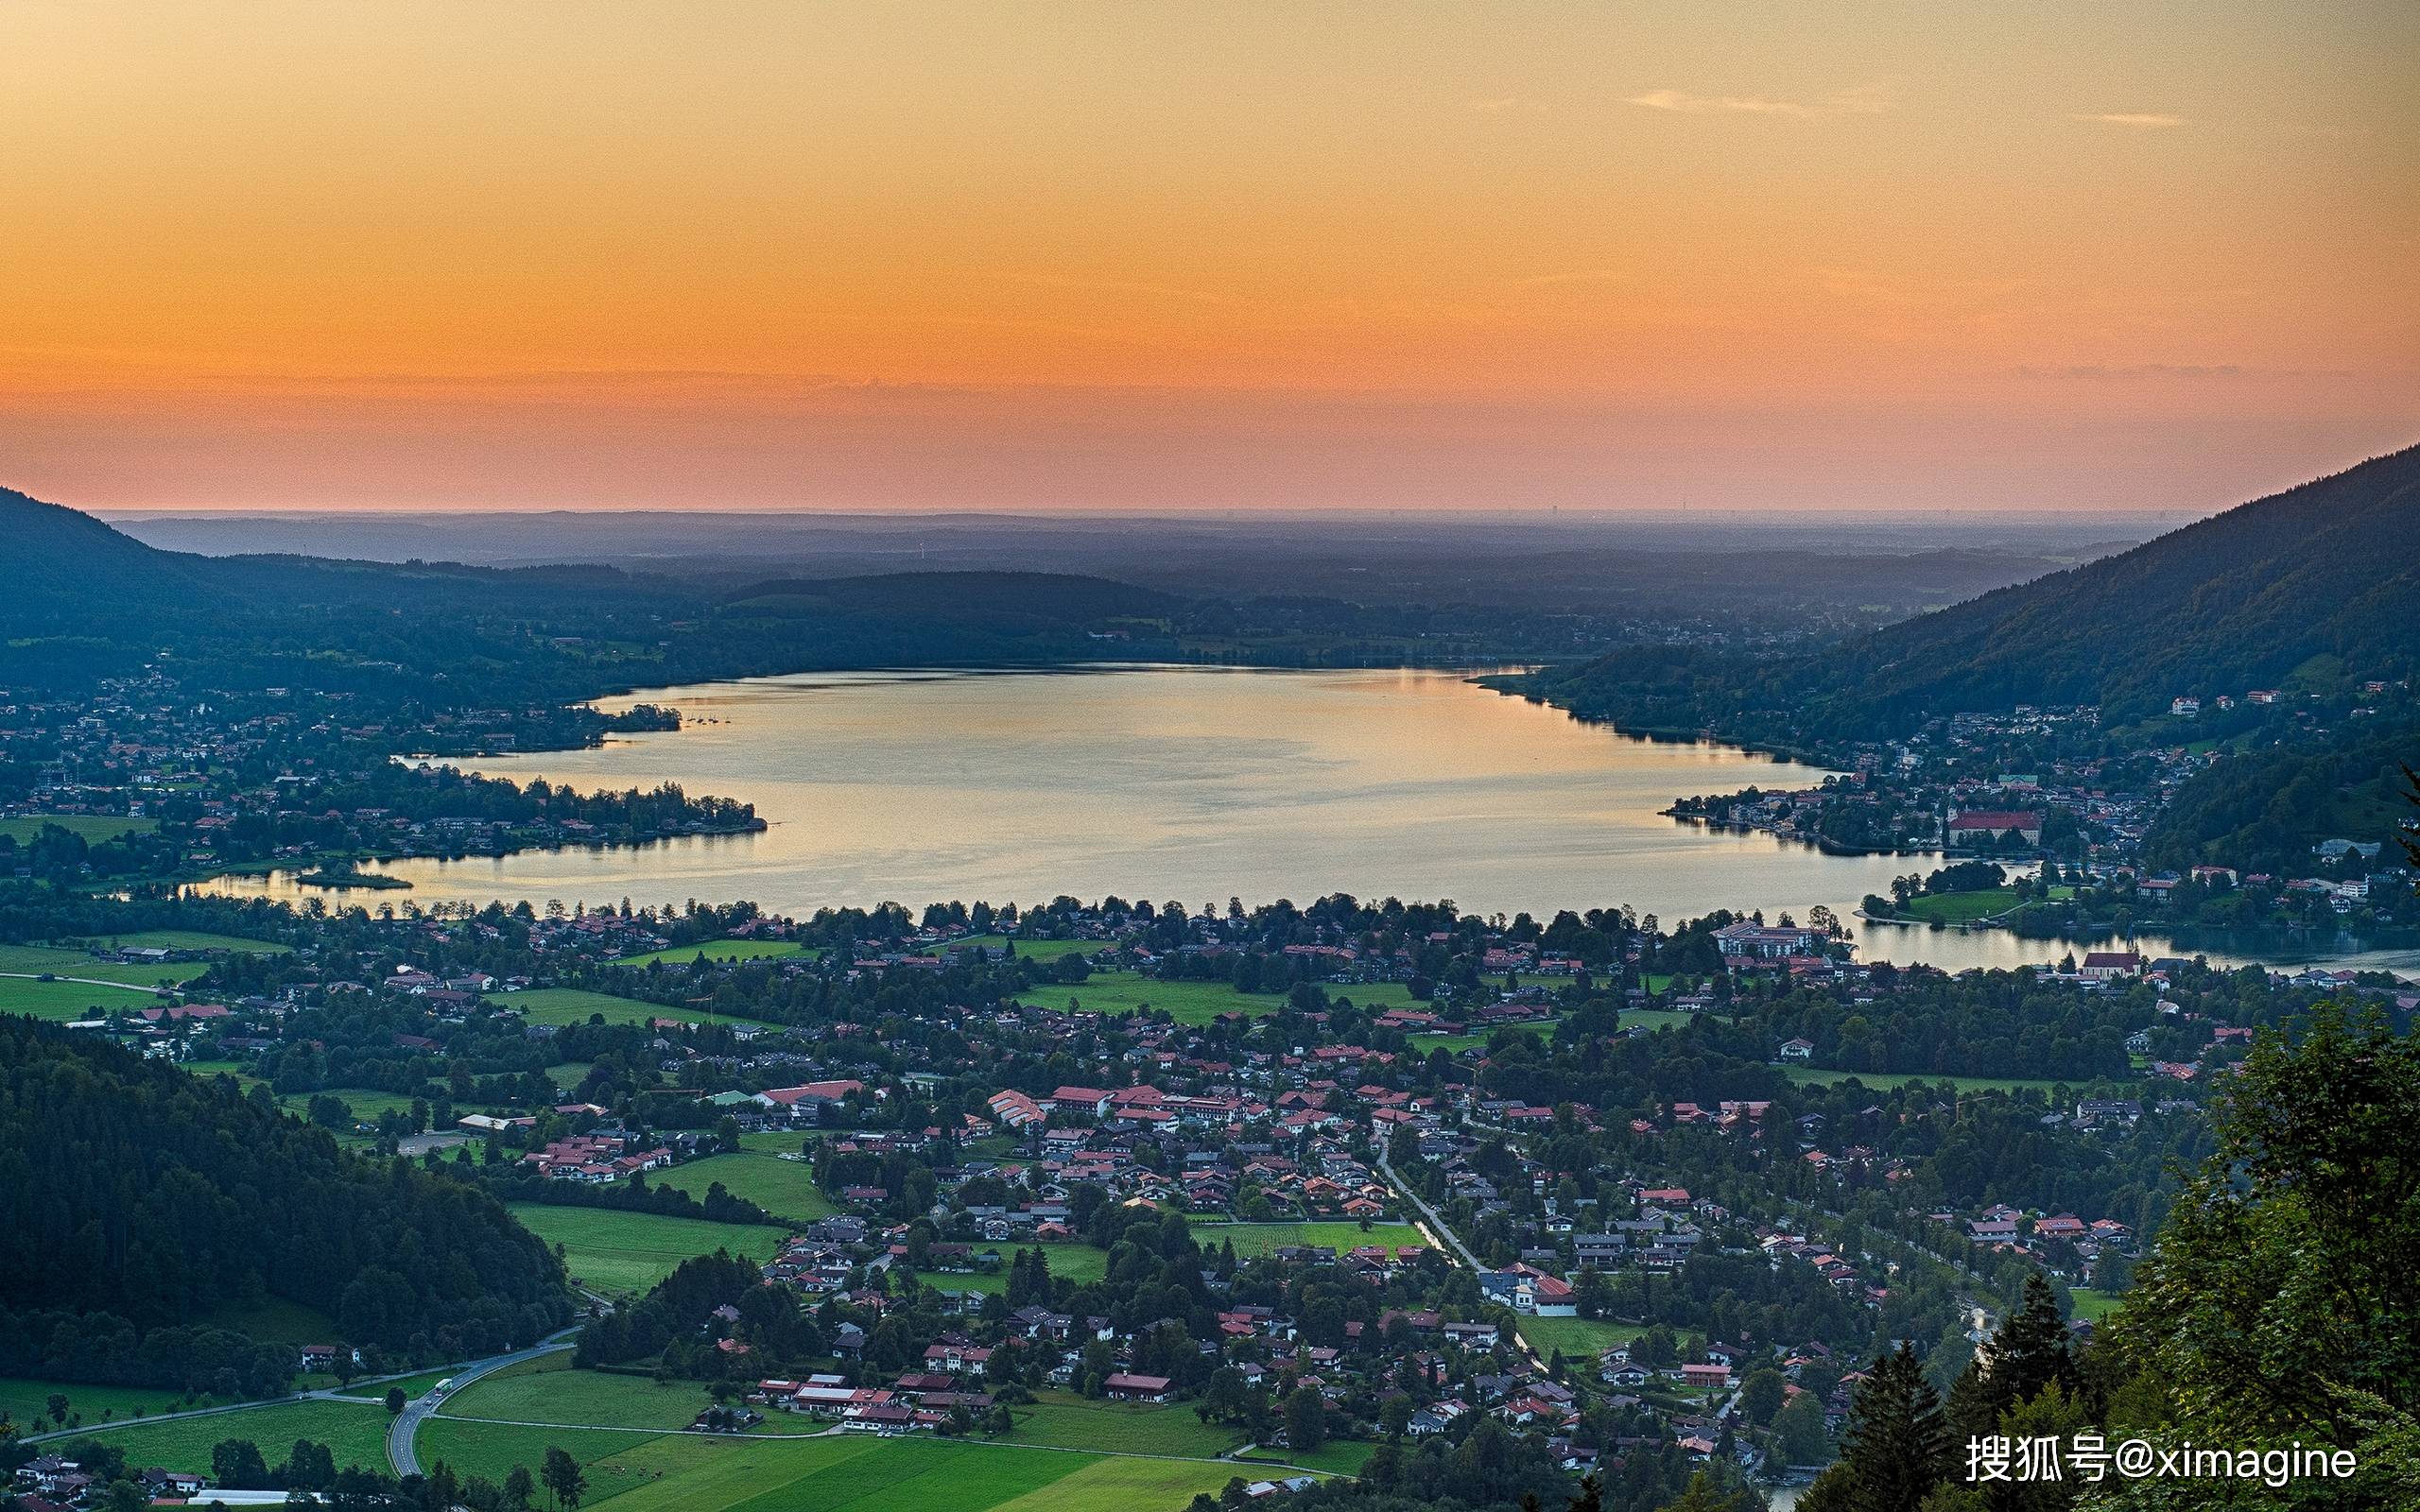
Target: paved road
column 344, row 1393
column 400, row 1454
column 1431, row 1225
column 90, row 981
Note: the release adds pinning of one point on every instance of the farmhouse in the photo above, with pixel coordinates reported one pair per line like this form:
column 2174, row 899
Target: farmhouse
column 1137, row 1388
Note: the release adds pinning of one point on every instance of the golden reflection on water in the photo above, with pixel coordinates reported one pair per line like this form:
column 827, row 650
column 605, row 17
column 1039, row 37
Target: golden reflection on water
column 1175, row 784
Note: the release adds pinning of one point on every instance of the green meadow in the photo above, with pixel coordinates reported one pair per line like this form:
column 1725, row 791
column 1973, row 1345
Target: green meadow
column 1079, row 1263
column 722, row 949
column 1576, row 1337
column 547, row 1390
column 66, row 960
column 24, row 1398
column 1032, row 950
column 570, row 1004
column 65, row 1000
column 1251, row 1239
column 1193, row 1002
column 1129, row 992
column 1658, row 1019
column 625, row 1253
column 1456, row 1044
column 615, row 1459
column 136, row 982
column 355, row 1431
column 1959, row 907
column 93, row 828
column 1060, row 1419
column 1338, row 1456
column 366, row 1103
column 786, row 1189
column 192, row 939
column 862, row 1473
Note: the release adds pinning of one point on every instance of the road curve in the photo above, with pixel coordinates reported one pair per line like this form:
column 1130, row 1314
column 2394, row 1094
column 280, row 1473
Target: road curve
column 401, row 1457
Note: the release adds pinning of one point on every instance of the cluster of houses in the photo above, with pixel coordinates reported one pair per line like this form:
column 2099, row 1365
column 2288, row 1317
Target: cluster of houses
column 595, row 1157
column 50, row 1484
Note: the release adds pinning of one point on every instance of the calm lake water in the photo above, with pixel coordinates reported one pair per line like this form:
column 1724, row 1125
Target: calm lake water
column 1186, row 783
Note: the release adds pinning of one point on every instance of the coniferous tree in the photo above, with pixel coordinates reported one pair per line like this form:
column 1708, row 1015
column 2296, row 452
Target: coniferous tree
column 1895, row 1449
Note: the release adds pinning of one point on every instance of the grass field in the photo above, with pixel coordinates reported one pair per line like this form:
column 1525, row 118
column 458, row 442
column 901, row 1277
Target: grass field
column 24, row 1399
column 1657, row 1019
column 1815, row 1076
column 1077, row 1262
column 628, row 1252
column 1338, row 1456
column 1251, row 1239
column 721, row 950
column 786, row 1189
column 1454, row 1043
column 868, row 1474
column 2093, row 1305
column 1193, row 1002
column 1060, row 1419
column 192, row 939
column 1960, row 907
column 570, row 1004
column 1127, row 992
column 66, row 960
column 775, row 1142
column 1122, row 1484
column 547, row 1389
column 494, row 1448
column 94, row 828
column 65, row 1000
column 355, row 1431
column 1576, row 1337
column 366, row 1103
column 1032, row 950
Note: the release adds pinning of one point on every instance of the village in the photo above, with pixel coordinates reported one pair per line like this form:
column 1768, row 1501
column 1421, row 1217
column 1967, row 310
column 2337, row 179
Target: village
column 2072, row 815
column 1395, row 1220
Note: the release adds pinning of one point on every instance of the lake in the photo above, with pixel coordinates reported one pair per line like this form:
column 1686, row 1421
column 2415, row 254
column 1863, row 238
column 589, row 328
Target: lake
column 1193, row 784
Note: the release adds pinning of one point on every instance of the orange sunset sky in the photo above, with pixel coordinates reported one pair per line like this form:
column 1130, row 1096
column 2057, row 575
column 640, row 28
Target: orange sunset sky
column 895, row 255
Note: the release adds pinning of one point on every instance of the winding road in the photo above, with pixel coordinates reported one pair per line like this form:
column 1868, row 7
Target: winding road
column 400, row 1456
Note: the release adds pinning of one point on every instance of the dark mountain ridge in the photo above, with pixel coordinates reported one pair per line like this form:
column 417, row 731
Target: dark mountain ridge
column 2327, row 569
column 2236, row 601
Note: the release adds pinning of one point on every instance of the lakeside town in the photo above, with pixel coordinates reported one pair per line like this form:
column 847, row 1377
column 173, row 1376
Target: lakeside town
column 2067, row 817
column 1331, row 1184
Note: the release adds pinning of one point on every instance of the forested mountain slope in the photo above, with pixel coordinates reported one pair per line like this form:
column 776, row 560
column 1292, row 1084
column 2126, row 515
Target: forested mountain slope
column 142, row 1200
column 2233, row 602
column 2236, row 601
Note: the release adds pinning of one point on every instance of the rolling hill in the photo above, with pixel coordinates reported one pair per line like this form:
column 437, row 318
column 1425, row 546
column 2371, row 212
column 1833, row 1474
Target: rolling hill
column 87, row 601
column 2239, row 600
